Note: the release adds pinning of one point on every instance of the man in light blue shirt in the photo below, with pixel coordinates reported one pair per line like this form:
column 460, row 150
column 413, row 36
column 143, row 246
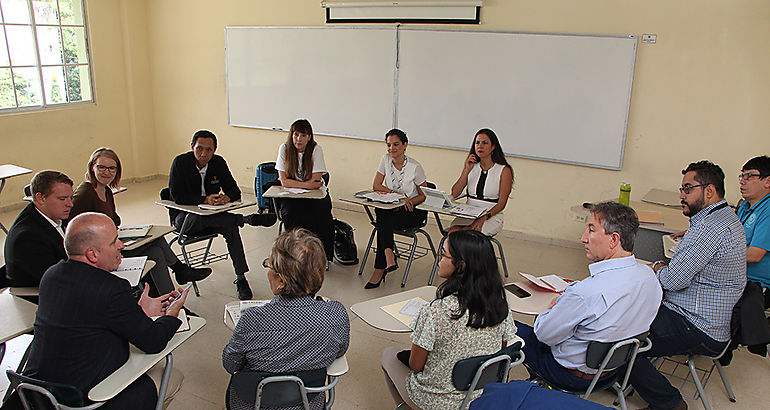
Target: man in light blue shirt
column 619, row 300
column 754, row 214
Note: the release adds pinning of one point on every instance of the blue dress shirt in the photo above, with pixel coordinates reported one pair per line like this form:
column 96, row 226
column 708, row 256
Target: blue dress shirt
column 756, row 222
column 619, row 300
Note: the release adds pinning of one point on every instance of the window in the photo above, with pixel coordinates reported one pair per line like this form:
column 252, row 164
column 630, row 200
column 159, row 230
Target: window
column 44, row 59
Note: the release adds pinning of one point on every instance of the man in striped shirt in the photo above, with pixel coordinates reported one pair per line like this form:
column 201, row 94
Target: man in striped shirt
column 701, row 284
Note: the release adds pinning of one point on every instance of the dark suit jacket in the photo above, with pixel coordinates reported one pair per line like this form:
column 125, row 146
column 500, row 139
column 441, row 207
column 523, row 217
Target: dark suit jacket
column 86, row 319
column 184, row 180
column 32, row 246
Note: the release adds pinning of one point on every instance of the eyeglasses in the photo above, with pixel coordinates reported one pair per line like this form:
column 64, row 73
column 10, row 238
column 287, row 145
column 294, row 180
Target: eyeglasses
column 102, row 168
column 442, row 253
column 266, row 264
column 747, row 176
column 687, row 188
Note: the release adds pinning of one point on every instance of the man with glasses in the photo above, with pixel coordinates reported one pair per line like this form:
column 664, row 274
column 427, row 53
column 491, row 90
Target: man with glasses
column 618, row 301
column 754, row 213
column 701, row 284
column 35, row 241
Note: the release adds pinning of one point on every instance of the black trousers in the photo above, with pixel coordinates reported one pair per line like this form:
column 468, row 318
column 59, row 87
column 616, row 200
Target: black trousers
column 315, row 215
column 225, row 224
column 389, row 220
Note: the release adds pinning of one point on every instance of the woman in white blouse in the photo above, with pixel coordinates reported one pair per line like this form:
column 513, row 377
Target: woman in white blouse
column 401, row 174
column 297, row 170
column 487, row 178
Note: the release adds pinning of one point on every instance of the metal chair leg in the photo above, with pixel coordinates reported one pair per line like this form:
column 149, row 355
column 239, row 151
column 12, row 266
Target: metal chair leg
column 726, row 383
column 698, row 385
column 435, row 263
column 366, row 251
column 411, row 258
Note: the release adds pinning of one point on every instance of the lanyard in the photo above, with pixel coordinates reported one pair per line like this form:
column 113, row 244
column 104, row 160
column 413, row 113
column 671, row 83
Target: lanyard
column 752, row 209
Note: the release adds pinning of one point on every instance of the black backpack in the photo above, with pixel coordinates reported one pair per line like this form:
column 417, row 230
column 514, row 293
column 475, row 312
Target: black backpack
column 345, row 250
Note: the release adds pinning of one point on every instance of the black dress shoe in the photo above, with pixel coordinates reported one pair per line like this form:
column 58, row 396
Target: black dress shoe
column 188, row 274
column 391, row 268
column 370, row 285
column 244, row 291
column 267, row 219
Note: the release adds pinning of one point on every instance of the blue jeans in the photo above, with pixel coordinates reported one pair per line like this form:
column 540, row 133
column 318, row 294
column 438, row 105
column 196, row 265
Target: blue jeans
column 671, row 334
column 540, row 362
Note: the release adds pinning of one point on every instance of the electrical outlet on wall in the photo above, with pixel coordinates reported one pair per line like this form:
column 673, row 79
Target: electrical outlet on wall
column 649, row 38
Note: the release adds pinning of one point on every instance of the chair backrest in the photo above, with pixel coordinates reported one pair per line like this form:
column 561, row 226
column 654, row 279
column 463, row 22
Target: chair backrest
column 39, row 394
column 28, row 190
column 490, row 368
column 4, row 282
column 165, row 194
column 267, row 389
column 620, row 352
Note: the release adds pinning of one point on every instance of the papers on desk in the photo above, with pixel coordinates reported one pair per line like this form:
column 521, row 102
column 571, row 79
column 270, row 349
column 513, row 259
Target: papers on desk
column 552, row 283
column 133, row 232
column 235, row 311
column 130, row 269
column 435, row 198
column 208, row 207
column 183, row 317
column 287, row 191
column 473, row 211
column 385, row 198
column 406, row 310
column 669, row 245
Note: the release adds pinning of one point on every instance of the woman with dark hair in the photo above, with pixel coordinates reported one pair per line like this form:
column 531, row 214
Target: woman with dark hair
column 403, row 175
column 295, row 331
column 298, row 170
column 95, row 195
column 470, row 317
column 486, row 177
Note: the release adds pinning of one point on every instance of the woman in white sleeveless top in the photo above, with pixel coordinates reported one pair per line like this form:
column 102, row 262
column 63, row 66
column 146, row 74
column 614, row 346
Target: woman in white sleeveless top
column 486, row 177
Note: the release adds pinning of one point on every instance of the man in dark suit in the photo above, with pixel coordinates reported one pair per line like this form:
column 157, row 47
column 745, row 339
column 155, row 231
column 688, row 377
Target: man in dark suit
column 36, row 239
column 87, row 316
column 202, row 177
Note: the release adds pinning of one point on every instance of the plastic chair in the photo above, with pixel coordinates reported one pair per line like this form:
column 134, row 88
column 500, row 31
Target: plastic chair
column 273, row 390
column 410, row 232
column 474, row 373
column 608, row 356
column 192, row 257
column 39, row 394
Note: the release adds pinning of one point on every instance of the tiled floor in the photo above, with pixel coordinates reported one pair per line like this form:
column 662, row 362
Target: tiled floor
column 363, row 386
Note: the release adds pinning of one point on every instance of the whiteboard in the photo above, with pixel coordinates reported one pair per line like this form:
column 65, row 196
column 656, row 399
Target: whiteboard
column 340, row 79
column 561, row 98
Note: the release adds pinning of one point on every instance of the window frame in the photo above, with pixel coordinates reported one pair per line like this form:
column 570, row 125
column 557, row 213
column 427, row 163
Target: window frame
column 44, row 105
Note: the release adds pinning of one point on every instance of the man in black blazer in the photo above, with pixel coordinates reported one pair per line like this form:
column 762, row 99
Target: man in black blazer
column 87, row 317
column 36, row 239
column 199, row 177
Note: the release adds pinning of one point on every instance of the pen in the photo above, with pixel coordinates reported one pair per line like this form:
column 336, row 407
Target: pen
column 180, row 294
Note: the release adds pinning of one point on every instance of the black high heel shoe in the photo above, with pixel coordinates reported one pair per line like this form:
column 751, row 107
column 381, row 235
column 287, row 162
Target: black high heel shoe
column 391, row 268
column 370, row 285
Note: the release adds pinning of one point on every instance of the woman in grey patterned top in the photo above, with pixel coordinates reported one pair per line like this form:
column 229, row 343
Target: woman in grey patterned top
column 470, row 317
column 294, row 331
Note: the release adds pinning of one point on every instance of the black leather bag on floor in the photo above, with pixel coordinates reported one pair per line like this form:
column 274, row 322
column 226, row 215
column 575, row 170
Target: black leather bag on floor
column 345, row 250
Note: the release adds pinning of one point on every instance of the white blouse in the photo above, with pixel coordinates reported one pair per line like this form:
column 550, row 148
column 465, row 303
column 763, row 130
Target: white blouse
column 318, row 160
column 414, row 175
column 491, row 186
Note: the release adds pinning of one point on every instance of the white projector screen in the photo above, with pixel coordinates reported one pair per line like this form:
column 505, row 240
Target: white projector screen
column 563, row 98
column 340, row 79
column 553, row 97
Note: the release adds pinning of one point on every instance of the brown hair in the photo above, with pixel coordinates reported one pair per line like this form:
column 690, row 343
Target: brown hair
column 44, row 181
column 292, row 156
column 299, row 257
column 103, row 152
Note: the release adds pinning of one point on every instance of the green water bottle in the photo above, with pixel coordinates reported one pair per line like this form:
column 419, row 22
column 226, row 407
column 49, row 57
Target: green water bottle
column 625, row 194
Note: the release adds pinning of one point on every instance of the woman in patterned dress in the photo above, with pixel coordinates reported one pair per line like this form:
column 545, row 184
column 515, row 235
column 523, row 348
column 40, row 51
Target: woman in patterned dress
column 470, row 317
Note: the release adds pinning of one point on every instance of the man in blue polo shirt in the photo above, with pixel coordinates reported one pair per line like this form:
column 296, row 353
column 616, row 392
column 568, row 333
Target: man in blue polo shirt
column 754, row 214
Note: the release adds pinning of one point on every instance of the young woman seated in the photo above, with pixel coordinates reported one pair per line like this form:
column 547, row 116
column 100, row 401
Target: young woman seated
column 300, row 164
column 403, row 175
column 470, row 317
column 486, row 177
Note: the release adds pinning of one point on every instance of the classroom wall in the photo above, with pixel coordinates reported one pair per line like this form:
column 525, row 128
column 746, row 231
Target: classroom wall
column 121, row 117
column 700, row 92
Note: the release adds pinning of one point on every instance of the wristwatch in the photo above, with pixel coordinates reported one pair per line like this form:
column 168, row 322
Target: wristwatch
column 660, row 261
column 489, row 216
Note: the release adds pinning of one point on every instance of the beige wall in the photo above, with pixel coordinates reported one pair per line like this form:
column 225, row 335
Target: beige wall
column 121, row 118
column 701, row 92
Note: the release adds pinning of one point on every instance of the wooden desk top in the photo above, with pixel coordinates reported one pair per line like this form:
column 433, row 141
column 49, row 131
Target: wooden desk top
column 156, row 232
column 281, row 192
column 535, row 304
column 365, row 202
column 673, row 218
column 194, row 209
column 18, row 316
column 10, row 170
column 369, row 311
column 139, row 363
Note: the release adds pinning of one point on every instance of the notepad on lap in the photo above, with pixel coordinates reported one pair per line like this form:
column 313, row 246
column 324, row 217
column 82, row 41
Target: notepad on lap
column 130, row 269
column 236, row 311
column 552, row 283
